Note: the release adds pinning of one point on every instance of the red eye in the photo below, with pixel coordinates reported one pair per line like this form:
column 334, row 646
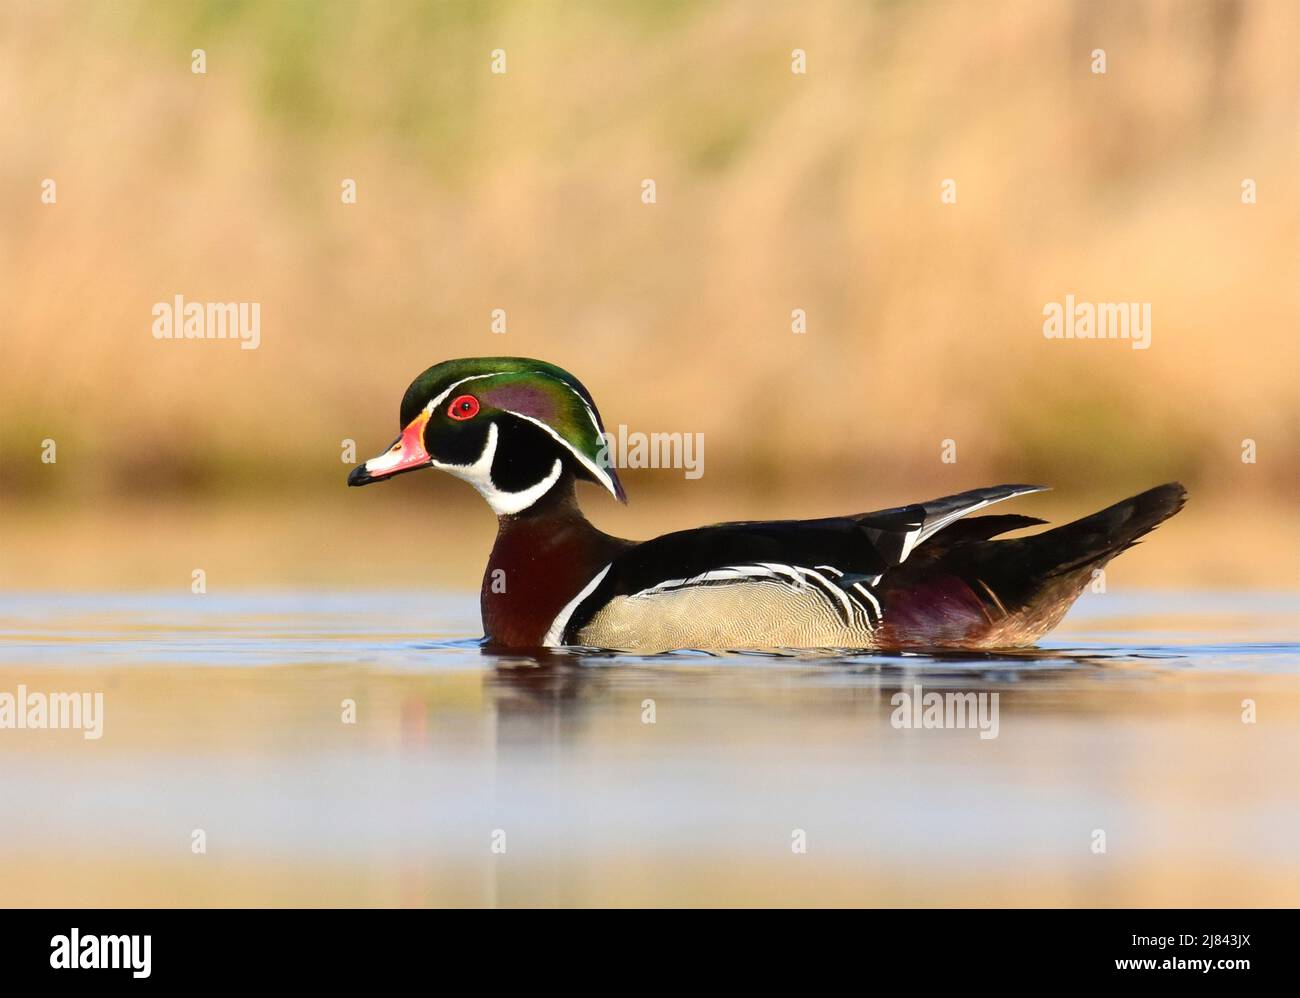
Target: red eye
column 465, row 407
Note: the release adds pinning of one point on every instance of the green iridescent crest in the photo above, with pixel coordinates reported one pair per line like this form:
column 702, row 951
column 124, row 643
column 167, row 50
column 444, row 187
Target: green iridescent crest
column 541, row 393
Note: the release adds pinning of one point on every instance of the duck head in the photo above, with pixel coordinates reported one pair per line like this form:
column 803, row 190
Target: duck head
column 510, row 426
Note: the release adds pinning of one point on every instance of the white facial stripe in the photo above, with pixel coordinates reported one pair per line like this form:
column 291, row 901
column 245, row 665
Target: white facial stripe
column 434, row 403
column 591, row 414
column 601, row 475
column 471, row 474
column 479, row 475
column 556, row 631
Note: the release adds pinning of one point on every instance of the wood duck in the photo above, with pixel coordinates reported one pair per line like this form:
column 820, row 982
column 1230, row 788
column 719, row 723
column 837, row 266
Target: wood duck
column 915, row 577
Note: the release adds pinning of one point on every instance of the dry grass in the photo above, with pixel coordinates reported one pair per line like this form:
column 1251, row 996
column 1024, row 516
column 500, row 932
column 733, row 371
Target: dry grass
column 776, row 191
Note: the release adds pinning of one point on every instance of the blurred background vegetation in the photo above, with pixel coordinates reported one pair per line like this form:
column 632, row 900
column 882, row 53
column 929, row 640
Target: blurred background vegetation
column 522, row 192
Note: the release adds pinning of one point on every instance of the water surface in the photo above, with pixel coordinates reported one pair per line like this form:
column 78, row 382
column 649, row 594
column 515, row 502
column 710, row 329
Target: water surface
column 226, row 714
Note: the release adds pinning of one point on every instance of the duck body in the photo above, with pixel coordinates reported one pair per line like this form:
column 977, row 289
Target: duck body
column 930, row 575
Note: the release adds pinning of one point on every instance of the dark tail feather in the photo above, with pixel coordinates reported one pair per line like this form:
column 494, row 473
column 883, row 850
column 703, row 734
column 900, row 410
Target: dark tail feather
column 1034, row 580
column 979, row 593
column 981, row 528
column 1099, row 537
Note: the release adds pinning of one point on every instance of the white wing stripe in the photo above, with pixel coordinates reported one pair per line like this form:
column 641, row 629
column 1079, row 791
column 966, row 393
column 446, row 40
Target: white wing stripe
column 862, row 589
column 932, row 528
column 771, row 573
column 834, row 590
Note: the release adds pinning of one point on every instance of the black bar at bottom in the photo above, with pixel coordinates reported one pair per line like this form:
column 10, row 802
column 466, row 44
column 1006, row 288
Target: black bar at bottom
column 337, row 947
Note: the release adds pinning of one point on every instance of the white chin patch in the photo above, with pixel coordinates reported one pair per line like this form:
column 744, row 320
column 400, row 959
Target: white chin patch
column 479, row 475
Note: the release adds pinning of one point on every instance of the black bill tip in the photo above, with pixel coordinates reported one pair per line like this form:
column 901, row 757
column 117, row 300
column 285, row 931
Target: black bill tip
column 359, row 476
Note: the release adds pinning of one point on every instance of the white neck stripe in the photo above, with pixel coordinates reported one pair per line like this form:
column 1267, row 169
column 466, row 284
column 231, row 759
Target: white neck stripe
column 601, row 475
column 555, row 632
column 479, row 475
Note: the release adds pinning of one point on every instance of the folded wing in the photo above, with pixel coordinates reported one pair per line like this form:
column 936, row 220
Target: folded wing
column 769, row 582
